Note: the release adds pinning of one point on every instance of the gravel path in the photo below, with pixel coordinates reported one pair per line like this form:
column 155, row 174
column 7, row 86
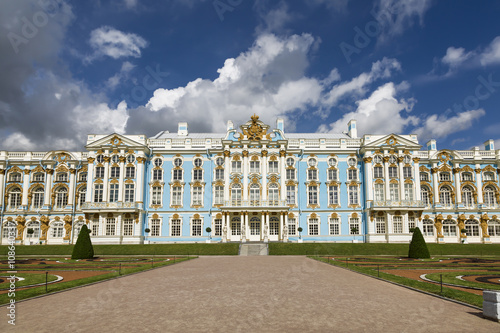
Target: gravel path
column 245, row 294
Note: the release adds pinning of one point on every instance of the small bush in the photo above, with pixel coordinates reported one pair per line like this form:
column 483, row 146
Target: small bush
column 83, row 248
column 418, row 247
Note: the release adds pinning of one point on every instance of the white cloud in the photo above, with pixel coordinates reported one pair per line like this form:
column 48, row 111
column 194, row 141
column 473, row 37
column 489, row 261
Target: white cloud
column 107, row 41
column 491, row 54
column 130, row 4
column 456, row 56
column 380, row 113
column 273, row 20
column 439, row 126
column 123, row 74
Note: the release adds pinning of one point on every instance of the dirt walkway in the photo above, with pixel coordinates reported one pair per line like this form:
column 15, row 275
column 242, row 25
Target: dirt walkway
column 245, row 294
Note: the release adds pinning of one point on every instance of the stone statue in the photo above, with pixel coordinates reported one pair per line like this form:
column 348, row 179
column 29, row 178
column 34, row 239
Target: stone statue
column 484, row 225
column 265, row 229
column 439, row 225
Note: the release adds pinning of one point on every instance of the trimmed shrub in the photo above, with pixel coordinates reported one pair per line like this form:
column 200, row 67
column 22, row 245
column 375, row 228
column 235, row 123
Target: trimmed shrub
column 418, row 247
column 83, row 248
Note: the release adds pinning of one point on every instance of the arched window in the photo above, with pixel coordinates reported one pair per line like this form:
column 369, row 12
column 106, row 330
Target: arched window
column 9, row 227
column 274, row 226
column 82, row 177
column 449, row 228
column 35, row 226
column 39, row 177
column 489, row 176
column 394, row 191
column 57, row 229
column 428, row 227
column 467, row 196
column 273, row 194
column 312, row 195
column 444, row 176
column 37, row 197
column 15, row 198
column 235, row 226
column 445, row 196
column 494, row 228
column 333, row 195
column 254, row 195
column 218, row 195
column 424, row 191
column 472, row 227
column 379, row 192
column 82, row 194
column 467, row 177
column 156, row 195
column 61, row 197
column 236, row 195
column 408, row 191
column 129, row 192
column 489, row 196
column 254, row 226
column 424, row 177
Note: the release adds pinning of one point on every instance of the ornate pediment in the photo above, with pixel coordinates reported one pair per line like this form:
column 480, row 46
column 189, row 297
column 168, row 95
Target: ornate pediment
column 254, row 130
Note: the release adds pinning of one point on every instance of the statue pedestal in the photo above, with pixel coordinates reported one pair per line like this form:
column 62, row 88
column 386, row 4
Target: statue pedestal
column 486, row 240
column 441, row 240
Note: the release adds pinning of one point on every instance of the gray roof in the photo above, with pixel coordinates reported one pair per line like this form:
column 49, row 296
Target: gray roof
column 316, row 136
column 166, row 135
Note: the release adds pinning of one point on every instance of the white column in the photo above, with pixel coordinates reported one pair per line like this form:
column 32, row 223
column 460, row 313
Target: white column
column 48, row 187
column 121, row 180
column 401, row 179
column 228, row 223
column 286, row 224
column 435, row 184
column 26, row 185
column 90, row 179
column 245, row 219
column 280, row 237
column 479, row 185
column 458, row 184
column 283, row 175
column 416, row 172
column 264, row 176
column 368, row 178
column 227, row 170
column 2, row 194
column 71, row 192
column 106, row 179
column 245, row 176
column 140, row 177
column 387, row 179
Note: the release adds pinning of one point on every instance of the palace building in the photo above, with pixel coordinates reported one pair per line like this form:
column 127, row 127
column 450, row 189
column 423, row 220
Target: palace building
column 251, row 184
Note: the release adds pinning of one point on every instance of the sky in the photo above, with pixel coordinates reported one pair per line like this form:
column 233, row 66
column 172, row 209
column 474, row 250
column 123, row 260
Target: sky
column 73, row 68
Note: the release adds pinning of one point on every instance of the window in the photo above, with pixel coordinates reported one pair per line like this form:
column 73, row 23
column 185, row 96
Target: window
column 408, row 191
column 99, row 172
column 15, row 177
column 273, row 195
column 254, row 195
column 175, row 228
column 273, row 166
column 115, row 172
column 254, row 226
column 198, row 162
column 449, row 228
column 129, row 193
column 110, row 226
column 333, row 195
column 177, row 162
column 378, row 172
column 424, row 177
column 177, row 196
column 218, row 195
column 379, row 192
column 411, row 222
column 156, row 195
column 218, row 227
column 61, row 177
column 312, row 195
column 290, row 174
column 219, row 161
column 236, row 166
column 113, row 193
column 61, row 197
column 290, row 162
column 274, row 226
column 393, row 159
column 445, row 196
column 332, row 162
column 424, row 191
column 394, row 192
column 235, row 226
column 397, row 224
column 57, row 229
column 219, row 174
column 489, row 196
column 128, row 226
column 380, row 224
column 290, row 195
column 312, row 174
column 197, row 174
column 98, row 189
column 467, row 198
column 177, row 174
column 428, row 227
column 155, row 227
column 100, row 158
column 393, row 172
column 351, row 162
column 354, row 228
column 40, row 177
column 489, row 176
column 334, row 226
column 130, row 158
column 353, row 195
column 197, row 196
column 377, row 159
column 157, row 174
column 15, row 198
column 37, row 199
column 292, row 227
column 407, row 159
column 115, row 159
column 82, row 177
column 332, row 174
column 77, row 229
column 95, row 227
column 313, row 227
column 254, row 166
column 407, row 172
column 472, row 227
column 158, row 162
column 444, row 176
column 467, row 177
column 494, row 228
column 130, row 172
column 352, row 174
column 236, row 195
column 35, row 226
column 81, row 196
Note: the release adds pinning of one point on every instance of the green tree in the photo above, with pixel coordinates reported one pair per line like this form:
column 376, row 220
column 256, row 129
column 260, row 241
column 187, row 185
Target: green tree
column 83, row 248
column 418, row 247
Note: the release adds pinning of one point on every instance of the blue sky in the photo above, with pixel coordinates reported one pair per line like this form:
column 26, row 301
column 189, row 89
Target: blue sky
column 72, row 68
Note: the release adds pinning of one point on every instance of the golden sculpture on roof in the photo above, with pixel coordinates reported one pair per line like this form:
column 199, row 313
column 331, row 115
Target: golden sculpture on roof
column 255, row 132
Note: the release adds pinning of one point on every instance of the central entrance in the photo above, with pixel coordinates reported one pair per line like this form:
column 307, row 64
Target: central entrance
column 255, row 229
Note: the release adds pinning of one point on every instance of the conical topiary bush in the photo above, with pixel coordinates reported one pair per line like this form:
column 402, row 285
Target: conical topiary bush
column 418, row 247
column 83, row 248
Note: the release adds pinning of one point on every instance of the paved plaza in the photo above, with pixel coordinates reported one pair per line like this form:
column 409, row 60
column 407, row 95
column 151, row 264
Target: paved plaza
column 245, row 294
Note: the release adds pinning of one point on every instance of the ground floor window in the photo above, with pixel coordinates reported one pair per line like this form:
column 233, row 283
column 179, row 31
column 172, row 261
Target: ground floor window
column 110, row 226
column 380, row 225
column 411, row 222
column 313, row 227
column 128, row 227
column 95, row 227
column 428, row 227
column 255, row 226
column 57, row 229
column 77, row 229
column 175, row 228
column 196, row 227
column 472, row 228
column 9, row 227
column 235, row 228
column 218, row 227
column 397, row 224
column 334, row 226
column 449, row 228
column 354, row 228
column 35, row 226
column 155, row 227
column 274, row 226
column 292, row 227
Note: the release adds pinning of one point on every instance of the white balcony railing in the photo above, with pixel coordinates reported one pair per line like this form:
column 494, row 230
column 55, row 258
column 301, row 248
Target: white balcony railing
column 398, row 203
column 109, row 205
column 254, row 203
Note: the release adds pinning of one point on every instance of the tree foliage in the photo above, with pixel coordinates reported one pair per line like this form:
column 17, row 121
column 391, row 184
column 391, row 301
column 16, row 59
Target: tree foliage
column 83, row 248
column 418, row 247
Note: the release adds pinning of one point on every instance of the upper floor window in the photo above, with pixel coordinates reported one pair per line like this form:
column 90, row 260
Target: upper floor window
column 467, row 196
column 157, row 174
column 37, row 199
column 379, row 192
column 332, row 162
column 15, row 197
column 393, row 159
column 377, row 159
column 156, row 195
column 408, row 188
column 130, row 158
column 115, row 159
column 82, row 177
column 424, row 177
column 177, row 162
column 467, row 177
column 197, row 195
column 353, row 195
column 290, row 161
column 489, row 176
column 98, row 191
column 39, row 177
column 177, row 174
column 254, row 166
column 394, row 192
column 113, row 193
column 407, row 172
column 407, row 159
column 332, row 174
column 129, row 193
column 290, row 174
column 393, row 172
column 352, row 174
column 489, row 196
column 444, row 176
column 218, row 195
column 351, row 162
column 273, row 166
column 236, row 195
column 445, row 196
column 61, row 197
column 130, row 172
column 219, row 174
column 312, row 174
column 157, row 162
column 313, row 195
column 115, row 172
column 99, row 172
column 236, row 166
column 198, row 162
column 333, row 195
column 62, row 177
column 197, row 174
column 219, row 161
column 424, row 191
column 100, row 158
column 312, row 162
column 290, row 195
column 378, row 172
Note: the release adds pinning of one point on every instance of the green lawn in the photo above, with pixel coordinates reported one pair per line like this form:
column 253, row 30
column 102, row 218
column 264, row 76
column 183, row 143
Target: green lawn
column 30, row 278
column 451, row 277
column 129, row 249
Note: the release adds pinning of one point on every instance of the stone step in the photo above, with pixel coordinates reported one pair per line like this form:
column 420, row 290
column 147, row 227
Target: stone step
column 253, row 250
